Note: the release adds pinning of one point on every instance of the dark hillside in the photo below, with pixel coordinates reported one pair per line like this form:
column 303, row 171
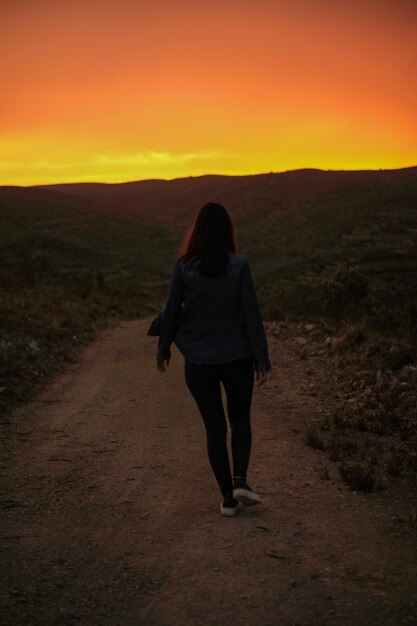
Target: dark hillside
column 73, row 255
column 67, row 266
column 297, row 190
column 297, row 227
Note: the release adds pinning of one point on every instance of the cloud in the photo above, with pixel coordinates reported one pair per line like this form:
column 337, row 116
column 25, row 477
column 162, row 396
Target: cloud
column 154, row 157
column 151, row 157
column 118, row 167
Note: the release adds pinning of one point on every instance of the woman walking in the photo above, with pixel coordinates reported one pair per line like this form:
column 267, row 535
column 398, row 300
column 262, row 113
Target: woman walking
column 212, row 315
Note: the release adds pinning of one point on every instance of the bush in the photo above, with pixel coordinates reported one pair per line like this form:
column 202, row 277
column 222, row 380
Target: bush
column 345, row 288
column 314, row 439
column 358, row 476
column 405, row 318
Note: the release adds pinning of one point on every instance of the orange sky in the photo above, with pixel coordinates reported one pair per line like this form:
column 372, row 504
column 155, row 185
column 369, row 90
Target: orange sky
column 106, row 90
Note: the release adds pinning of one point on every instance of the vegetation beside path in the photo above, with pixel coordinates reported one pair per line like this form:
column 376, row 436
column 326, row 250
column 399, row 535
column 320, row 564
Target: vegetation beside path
column 63, row 276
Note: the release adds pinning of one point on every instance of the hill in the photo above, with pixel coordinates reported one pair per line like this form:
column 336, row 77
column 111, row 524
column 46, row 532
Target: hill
column 296, row 191
column 321, row 243
column 296, row 227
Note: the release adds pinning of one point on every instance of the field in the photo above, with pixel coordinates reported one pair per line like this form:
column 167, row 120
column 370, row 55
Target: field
column 337, row 249
column 66, row 271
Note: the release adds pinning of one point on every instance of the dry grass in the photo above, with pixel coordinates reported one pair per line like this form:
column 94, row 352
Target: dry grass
column 370, row 425
column 62, row 278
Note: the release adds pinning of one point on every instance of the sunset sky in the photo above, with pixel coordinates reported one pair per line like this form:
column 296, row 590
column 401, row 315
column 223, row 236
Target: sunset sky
column 106, row 90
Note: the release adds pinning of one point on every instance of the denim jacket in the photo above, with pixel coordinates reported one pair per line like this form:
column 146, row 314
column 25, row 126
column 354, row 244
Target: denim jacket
column 214, row 320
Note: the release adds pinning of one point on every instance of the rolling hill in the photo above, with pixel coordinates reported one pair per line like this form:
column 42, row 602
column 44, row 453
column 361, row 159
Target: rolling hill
column 71, row 256
column 295, row 227
column 296, row 191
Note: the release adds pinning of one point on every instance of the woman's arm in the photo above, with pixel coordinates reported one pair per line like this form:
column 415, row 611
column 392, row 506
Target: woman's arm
column 171, row 315
column 252, row 320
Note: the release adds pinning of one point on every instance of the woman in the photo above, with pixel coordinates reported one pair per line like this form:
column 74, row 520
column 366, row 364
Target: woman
column 213, row 317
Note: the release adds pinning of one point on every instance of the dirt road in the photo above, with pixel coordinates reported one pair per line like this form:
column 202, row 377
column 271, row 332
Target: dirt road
column 111, row 515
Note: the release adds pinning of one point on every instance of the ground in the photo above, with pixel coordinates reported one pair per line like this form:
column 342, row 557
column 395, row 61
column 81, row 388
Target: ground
column 111, row 514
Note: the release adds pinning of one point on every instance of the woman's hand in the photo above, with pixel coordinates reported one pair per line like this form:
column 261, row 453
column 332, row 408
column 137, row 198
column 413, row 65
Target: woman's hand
column 161, row 363
column 261, row 376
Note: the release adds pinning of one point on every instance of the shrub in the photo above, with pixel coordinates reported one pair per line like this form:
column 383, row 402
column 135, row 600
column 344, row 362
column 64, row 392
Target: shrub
column 314, row 439
column 344, row 289
column 358, row 476
column 405, row 318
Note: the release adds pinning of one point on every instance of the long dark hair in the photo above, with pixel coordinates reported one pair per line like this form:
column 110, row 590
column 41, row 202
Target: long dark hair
column 210, row 239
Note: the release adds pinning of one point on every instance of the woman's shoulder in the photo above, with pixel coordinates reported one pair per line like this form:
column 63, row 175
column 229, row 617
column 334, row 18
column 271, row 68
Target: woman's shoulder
column 238, row 260
column 186, row 267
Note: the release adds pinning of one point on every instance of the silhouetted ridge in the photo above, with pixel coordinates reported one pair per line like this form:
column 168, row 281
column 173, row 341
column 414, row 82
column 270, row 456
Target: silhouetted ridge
column 178, row 199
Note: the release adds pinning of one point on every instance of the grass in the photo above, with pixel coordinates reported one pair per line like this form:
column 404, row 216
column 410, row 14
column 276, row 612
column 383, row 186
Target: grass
column 369, row 425
column 63, row 276
column 293, row 256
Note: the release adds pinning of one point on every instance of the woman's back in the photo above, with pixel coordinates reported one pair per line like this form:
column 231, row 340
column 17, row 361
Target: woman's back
column 214, row 319
column 209, row 328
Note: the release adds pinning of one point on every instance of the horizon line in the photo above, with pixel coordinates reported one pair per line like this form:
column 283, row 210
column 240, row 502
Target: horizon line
column 270, row 173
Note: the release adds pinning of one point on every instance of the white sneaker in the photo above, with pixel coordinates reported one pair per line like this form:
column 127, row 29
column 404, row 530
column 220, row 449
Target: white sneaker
column 229, row 506
column 244, row 494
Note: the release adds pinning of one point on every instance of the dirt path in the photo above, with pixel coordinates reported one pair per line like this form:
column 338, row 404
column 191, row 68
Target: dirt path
column 111, row 515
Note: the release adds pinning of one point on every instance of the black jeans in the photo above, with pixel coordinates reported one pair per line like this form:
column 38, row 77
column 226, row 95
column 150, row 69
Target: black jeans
column 237, row 377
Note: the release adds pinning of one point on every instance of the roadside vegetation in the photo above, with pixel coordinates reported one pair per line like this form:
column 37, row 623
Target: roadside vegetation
column 365, row 384
column 349, row 275
column 63, row 276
